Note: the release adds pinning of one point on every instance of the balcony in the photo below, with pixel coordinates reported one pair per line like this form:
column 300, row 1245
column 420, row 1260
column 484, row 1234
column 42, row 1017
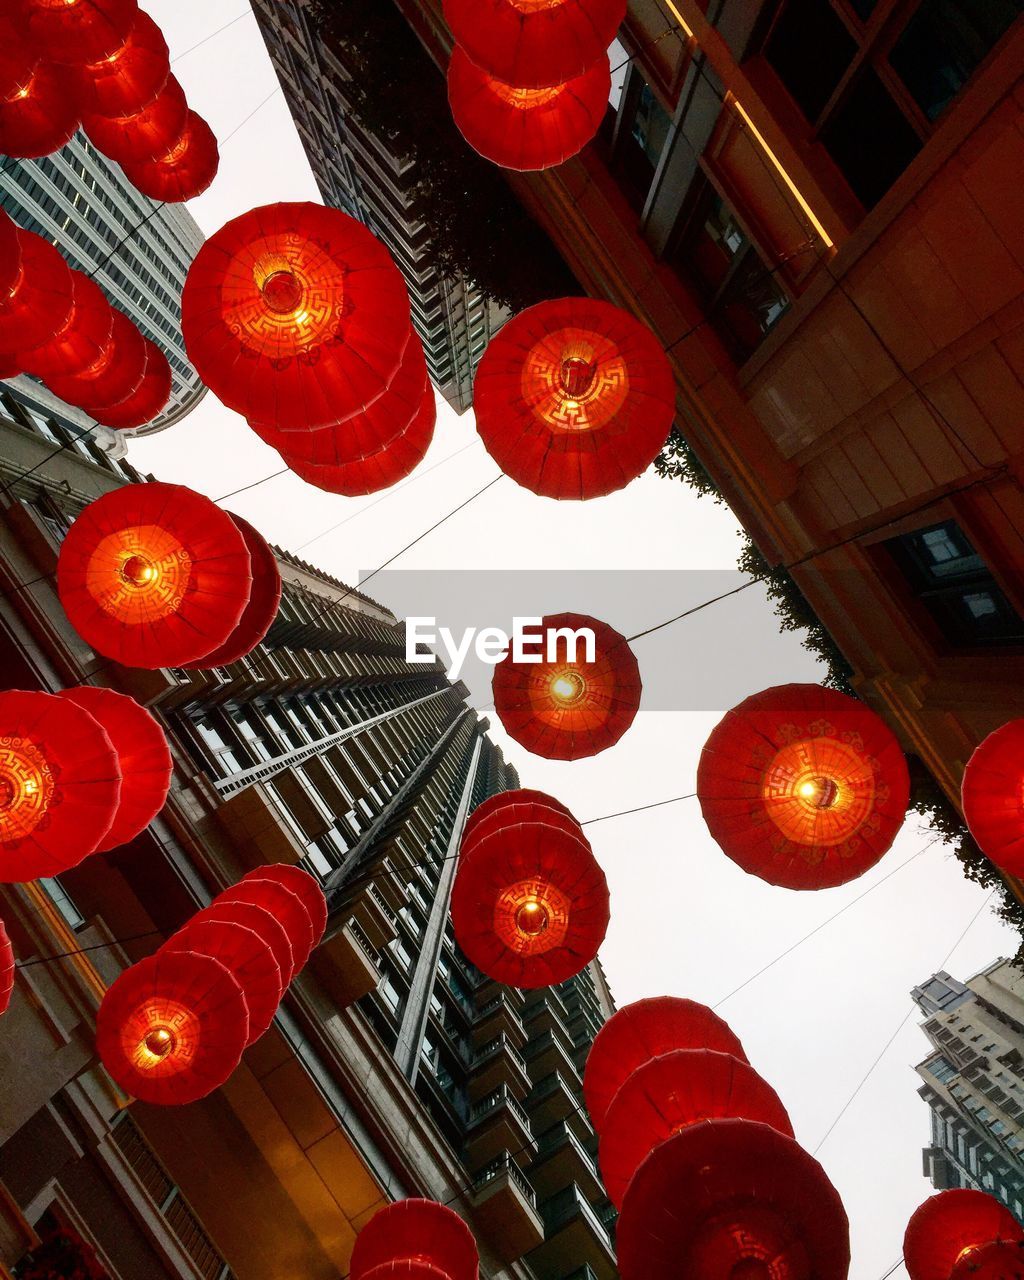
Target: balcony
column 550, row 1051
column 506, row 1206
column 551, row 1100
column 497, row 1016
column 259, row 832
column 496, row 1063
column 498, row 1124
column 346, row 963
column 563, row 1159
column 376, row 918
column 575, row 1238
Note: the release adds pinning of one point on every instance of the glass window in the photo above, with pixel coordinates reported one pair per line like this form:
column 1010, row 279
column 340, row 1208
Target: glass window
column 870, row 139
column 804, row 25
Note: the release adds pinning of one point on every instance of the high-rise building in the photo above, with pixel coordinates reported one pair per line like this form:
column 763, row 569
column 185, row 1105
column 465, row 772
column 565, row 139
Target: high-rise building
column 138, row 250
column 358, row 171
column 974, row 1082
column 394, row 1067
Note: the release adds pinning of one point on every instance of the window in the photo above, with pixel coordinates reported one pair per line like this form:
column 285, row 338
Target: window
column 953, row 583
column 640, row 136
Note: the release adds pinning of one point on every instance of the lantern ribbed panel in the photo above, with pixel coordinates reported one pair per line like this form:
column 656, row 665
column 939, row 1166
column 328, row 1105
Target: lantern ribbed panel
column 524, row 811
column 946, row 1224
column 143, row 756
column 305, row 887
column 42, row 117
column 7, row 969
column 535, row 43
column 83, row 338
column 726, row 1195
column 520, row 795
column 192, row 998
column 143, row 135
column 154, row 575
column 568, row 710
column 76, row 31
column 422, row 1230
column 129, row 79
column 644, row 1030
column 148, row 399
column 10, row 254
column 670, row 1093
column 260, row 920
column 405, row 1269
column 803, row 786
column 995, row 1261
column 116, row 375
column 521, row 874
column 60, row 785
column 380, row 470
column 18, row 59
column 993, row 796
column 574, row 398
column 39, row 305
column 185, row 170
column 287, row 907
column 526, row 129
column 247, row 956
column 296, row 315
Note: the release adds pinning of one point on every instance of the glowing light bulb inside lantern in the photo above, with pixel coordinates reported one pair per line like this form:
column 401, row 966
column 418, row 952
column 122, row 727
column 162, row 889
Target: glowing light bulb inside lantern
column 577, row 376
column 567, row 687
column 282, row 292
column 137, row 571
column 820, row 793
column 532, row 918
column 159, row 1041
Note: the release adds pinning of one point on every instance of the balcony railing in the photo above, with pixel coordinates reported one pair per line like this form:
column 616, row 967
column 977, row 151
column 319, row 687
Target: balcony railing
column 501, row 1044
column 505, row 1164
column 499, row 1098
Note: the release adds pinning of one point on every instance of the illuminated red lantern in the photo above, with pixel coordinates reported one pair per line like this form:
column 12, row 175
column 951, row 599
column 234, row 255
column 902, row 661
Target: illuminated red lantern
column 949, row 1226
column 260, row 921
column 732, row 1198
column 40, row 116
column 148, row 399
column 7, row 969
column 535, row 43
column 246, row 955
column 144, row 758
column 530, row 905
column 115, row 376
column 526, row 129
column 421, row 1231
column 154, row 575
column 185, row 170
column 286, row 905
column 574, row 398
column 364, row 434
column 263, row 604
column 38, row 304
column 569, row 708
column 17, row 60
column 504, row 799
column 380, row 470
column 77, row 31
column 82, row 340
column 130, row 78
column 10, row 256
column 643, row 1030
column 305, row 887
column 60, row 785
column 672, row 1092
column 172, row 1028
column 995, row 1261
column 142, row 135
column 993, row 797
column 295, row 314
column 803, row 786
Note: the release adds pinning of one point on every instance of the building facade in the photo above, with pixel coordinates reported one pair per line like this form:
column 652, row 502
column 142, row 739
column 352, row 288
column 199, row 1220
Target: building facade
column 974, row 1082
column 138, row 250
column 394, row 1068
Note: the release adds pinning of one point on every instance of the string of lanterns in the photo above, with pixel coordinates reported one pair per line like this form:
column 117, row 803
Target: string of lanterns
column 104, row 65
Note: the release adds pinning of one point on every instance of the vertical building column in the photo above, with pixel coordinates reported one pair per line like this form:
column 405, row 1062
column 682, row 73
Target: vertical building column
column 417, row 1007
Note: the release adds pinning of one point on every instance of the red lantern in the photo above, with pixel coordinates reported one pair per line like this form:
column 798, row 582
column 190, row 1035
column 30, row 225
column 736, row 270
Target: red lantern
column 143, row 757
column 263, row 604
column 503, row 799
column 17, row 60
column 148, row 399
column 40, row 116
column 951, row 1225
column 114, row 377
column 10, row 257
column 287, row 907
column 525, row 811
column 246, row 955
column 732, row 1198
column 39, row 303
column 803, row 786
column 172, row 1028
column 574, row 398
column 530, row 905
column 364, row 434
column 421, row 1231
column 569, row 708
column 257, row 919
column 154, row 575
column 187, row 168
column 405, row 1269
column 82, row 340
column 643, row 1030
column 130, row 78
column 996, row 1261
column 295, row 314
column 7, row 968
column 60, row 785
column 526, row 129
column 305, row 887
column 143, row 135
column 77, row 31
column 535, row 43
column 380, row 470
column 993, row 797
column 672, row 1092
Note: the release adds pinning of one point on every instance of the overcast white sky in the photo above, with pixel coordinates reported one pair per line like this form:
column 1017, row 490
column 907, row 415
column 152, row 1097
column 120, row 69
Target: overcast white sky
column 685, row 920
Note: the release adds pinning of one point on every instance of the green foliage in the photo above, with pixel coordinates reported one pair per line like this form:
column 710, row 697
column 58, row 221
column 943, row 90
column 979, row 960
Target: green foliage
column 478, row 230
column 677, row 461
